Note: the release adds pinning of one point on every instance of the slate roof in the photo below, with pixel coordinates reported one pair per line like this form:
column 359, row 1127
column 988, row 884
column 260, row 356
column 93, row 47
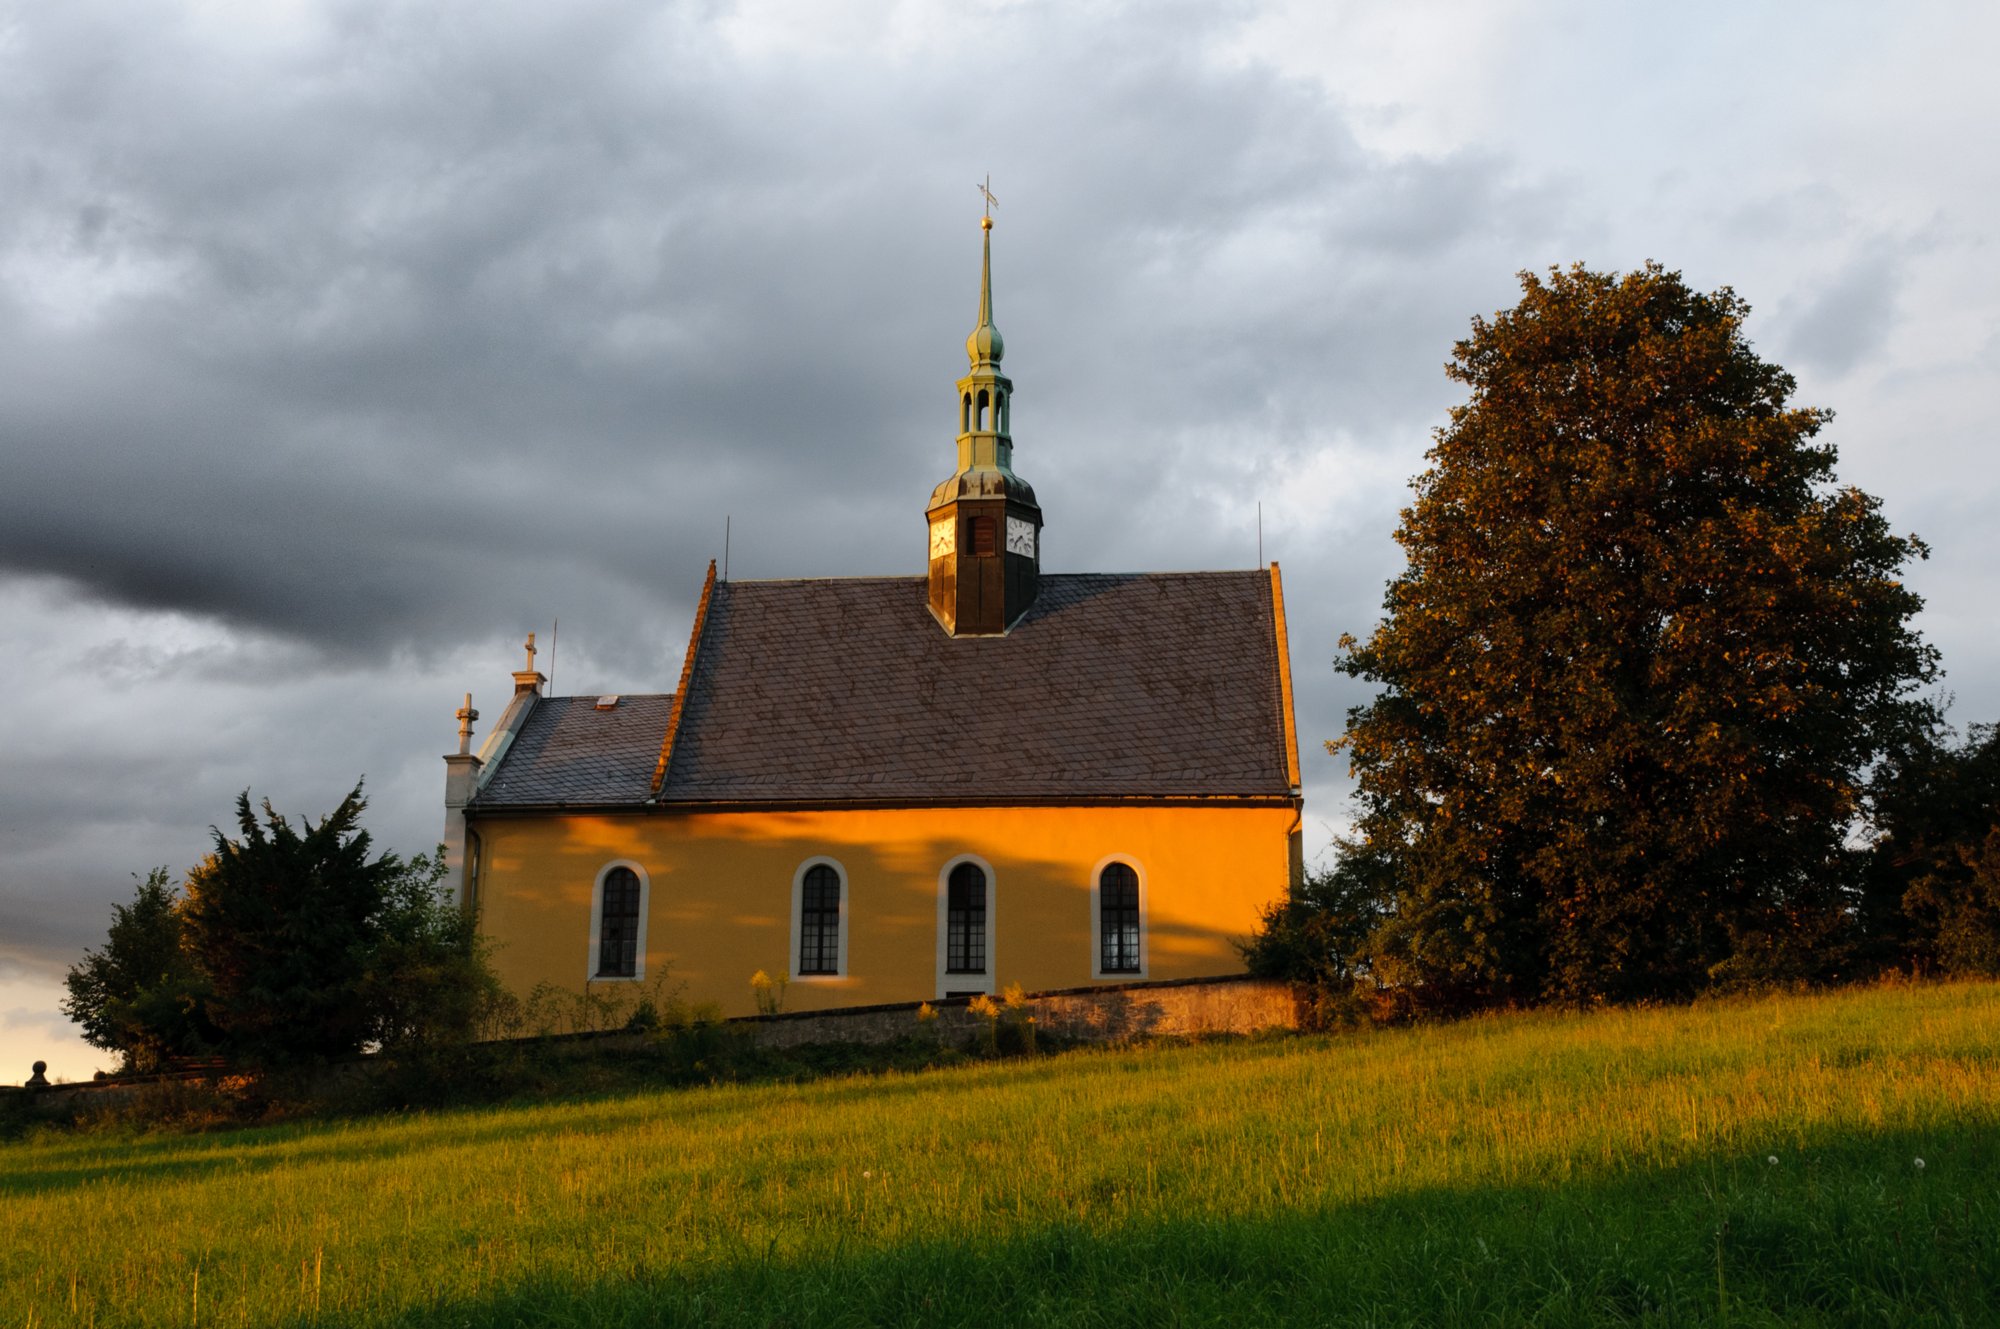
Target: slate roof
column 568, row 751
column 844, row 690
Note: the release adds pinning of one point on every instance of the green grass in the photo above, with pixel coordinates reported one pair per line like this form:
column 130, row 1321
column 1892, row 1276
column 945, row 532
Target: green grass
column 1546, row 1169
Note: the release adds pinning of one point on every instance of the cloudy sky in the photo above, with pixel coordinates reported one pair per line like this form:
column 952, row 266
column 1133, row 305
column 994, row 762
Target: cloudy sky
column 342, row 344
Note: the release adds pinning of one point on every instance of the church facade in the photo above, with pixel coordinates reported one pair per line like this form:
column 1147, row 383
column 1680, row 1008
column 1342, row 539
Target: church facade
column 900, row 788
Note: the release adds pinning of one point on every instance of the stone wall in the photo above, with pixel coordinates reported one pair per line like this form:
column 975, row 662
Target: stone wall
column 70, row 1097
column 1234, row 1005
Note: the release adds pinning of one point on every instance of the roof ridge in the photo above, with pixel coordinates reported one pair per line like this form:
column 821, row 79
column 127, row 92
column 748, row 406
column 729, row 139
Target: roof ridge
column 1061, row 576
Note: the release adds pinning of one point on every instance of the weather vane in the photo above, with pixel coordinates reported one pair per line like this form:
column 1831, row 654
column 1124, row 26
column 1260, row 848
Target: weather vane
column 985, row 188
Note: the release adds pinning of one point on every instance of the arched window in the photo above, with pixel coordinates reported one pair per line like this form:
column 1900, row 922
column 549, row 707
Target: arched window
column 983, row 407
column 965, row 920
column 1118, row 920
column 817, row 899
column 620, row 923
column 983, row 536
column 965, row 413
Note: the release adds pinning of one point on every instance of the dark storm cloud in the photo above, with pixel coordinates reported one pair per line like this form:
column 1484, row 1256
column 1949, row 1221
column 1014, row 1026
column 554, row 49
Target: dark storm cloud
column 408, row 326
column 368, row 335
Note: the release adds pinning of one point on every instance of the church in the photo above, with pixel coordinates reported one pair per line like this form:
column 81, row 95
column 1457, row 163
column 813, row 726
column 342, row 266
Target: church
column 893, row 789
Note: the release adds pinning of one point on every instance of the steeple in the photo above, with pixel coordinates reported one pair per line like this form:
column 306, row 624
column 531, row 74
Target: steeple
column 985, row 526
column 985, row 347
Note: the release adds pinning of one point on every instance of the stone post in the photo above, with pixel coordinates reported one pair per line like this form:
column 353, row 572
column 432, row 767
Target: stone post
column 461, row 780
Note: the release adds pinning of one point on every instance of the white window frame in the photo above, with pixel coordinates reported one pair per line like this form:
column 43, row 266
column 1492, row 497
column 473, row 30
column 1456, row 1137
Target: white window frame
column 1097, row 970
column 638, row 974
column 961, row 982
column 797, row 929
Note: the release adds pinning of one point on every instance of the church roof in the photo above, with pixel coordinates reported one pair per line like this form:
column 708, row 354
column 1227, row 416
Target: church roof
column 1161, row 685
column 569, row 752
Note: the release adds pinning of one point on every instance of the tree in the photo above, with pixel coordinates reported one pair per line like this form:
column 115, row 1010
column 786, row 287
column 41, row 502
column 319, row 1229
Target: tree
column 141, row 996
column 292, row 944
column 1642, row 655
column 312, row 949
column 1930, row 881
column 427, row 982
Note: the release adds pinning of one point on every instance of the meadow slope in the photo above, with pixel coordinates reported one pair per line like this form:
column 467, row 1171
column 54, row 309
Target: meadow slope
column 1751, row 1162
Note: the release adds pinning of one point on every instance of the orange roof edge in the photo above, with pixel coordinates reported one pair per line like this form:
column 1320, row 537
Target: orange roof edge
column 687, row 676
column 1284, row 678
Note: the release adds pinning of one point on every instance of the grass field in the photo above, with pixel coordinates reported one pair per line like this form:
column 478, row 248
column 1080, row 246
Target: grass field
column 1739, row 1163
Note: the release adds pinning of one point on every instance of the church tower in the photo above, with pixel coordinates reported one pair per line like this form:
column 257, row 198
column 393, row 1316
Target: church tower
column 985, row 526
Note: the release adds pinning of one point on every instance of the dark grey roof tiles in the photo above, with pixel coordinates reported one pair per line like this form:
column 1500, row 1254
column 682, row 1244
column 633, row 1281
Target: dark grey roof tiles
column 1154, row 685
column 568, row 751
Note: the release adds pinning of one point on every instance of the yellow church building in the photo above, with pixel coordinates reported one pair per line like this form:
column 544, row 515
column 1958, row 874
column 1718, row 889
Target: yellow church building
column 904, row 788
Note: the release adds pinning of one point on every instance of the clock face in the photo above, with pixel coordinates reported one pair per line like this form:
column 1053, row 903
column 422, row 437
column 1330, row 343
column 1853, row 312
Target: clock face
column 943, row 539
column 1020, row 537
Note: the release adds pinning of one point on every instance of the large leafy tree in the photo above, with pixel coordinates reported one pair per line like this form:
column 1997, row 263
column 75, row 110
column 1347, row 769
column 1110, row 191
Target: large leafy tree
column 1642, row 655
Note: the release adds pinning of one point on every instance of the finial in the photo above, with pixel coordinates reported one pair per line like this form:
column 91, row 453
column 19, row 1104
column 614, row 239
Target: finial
column 466, row 715
column 985, row 188
column 528, row 679
column 985, row 346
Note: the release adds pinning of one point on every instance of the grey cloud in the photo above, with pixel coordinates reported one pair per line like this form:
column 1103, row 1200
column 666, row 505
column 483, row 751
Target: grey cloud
column 1849, row 318
column 449, row 335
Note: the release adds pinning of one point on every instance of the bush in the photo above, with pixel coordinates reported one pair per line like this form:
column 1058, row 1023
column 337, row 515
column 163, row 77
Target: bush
column 1317, row 938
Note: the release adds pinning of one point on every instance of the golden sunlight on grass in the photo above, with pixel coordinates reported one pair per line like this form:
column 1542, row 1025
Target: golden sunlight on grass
column 1583, row 1168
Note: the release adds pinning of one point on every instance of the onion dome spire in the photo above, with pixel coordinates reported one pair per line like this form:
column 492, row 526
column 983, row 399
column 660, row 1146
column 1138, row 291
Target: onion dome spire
column 985, row 528
column 984, row 347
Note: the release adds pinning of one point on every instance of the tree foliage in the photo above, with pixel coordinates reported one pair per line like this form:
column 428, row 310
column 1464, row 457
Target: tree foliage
column 426, row 983
column 1930, row 884
column 1642, row 655
column 1319, row 932
column 282, row 921
column 141, row 996
column 292, row 944
column 1317, row 937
